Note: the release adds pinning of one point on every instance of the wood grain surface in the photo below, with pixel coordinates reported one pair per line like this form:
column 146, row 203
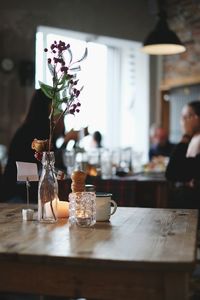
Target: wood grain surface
column 141, row 251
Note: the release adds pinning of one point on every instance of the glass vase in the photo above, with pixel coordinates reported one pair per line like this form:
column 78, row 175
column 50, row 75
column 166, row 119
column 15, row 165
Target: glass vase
column 47, row 190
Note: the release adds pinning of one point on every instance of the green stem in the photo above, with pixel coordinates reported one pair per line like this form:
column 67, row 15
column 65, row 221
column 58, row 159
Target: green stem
column 57, row 121
column 51, row 129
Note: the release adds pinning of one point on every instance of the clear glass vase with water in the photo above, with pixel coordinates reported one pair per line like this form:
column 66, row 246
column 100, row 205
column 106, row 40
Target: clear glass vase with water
column 47, row 190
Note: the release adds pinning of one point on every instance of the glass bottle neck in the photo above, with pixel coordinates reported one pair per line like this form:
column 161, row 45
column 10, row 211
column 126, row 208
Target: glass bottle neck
column 48, row 159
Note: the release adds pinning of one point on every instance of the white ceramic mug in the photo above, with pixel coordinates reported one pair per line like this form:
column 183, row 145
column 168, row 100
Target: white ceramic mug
column 103, row 206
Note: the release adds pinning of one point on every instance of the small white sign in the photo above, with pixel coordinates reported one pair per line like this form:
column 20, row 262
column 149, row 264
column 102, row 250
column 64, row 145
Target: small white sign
column 27, row 171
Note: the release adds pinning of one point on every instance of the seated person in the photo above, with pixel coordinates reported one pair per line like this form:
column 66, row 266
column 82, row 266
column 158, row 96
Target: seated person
column 160, row 144
column 183, row 169
column 35, row 125
column 96, row 139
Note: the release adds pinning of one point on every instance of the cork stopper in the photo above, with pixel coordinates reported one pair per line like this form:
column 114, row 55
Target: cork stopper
column 78, row 181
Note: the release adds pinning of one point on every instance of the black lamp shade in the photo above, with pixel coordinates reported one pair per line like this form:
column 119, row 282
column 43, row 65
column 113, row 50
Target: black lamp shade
column 162, row 41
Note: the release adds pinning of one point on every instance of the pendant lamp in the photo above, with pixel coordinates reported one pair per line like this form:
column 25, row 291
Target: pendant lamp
column 162, row 40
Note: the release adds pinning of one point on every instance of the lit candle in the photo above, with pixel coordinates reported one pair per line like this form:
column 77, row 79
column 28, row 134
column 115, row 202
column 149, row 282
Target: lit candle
column 63, row 209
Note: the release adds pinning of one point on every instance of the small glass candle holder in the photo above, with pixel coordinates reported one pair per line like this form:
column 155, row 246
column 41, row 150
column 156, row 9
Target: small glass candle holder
column 82, row 209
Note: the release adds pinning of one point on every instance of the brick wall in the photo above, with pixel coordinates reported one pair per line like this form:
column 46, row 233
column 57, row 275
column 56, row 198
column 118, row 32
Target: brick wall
column 184, row 19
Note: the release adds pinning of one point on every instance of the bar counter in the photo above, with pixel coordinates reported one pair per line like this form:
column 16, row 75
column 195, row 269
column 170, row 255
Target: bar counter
column 140, row 190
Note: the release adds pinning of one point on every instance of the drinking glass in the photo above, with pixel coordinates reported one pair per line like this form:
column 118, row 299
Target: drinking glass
column 106, row 164
column 69, row 161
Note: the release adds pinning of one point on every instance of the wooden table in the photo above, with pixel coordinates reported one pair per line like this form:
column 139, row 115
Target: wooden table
column 142, row 253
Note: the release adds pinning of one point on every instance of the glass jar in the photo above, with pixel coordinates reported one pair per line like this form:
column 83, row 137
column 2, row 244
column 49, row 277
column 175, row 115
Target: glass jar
column 47, row 190
column 82, row 209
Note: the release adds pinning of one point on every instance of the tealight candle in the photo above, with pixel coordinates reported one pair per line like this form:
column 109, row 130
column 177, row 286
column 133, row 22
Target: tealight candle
column 63, row 209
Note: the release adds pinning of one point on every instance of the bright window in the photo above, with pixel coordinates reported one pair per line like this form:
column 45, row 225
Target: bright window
column 115, row 98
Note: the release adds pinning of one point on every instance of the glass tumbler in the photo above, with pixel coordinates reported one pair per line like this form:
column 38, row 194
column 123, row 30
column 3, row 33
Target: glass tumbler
column 69, row 161
column 106, row 164
column 82, row 209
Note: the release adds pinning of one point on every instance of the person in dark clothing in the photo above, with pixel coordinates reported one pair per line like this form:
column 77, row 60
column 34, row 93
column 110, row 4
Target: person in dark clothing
column 160, row 144
column 183, row 169
column 36, row 125
column 97, row 139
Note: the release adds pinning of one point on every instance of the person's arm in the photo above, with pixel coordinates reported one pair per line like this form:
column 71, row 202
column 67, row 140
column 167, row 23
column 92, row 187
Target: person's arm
column 73, row 135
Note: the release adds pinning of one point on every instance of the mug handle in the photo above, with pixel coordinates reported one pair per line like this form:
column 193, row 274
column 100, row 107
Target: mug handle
column 114, row 208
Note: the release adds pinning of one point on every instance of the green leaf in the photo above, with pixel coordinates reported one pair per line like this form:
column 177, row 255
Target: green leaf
column 75, row 69
column 63, row 79
column 65, row 99
column 51, row 69
column 63, row 86
column 47, row 89
column 64, row 95
column 56, row 99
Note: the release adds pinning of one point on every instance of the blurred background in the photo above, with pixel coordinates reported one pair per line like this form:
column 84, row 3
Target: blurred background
column 125, row 89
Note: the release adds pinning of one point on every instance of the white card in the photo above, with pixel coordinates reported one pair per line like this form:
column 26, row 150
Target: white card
column 27, row 171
